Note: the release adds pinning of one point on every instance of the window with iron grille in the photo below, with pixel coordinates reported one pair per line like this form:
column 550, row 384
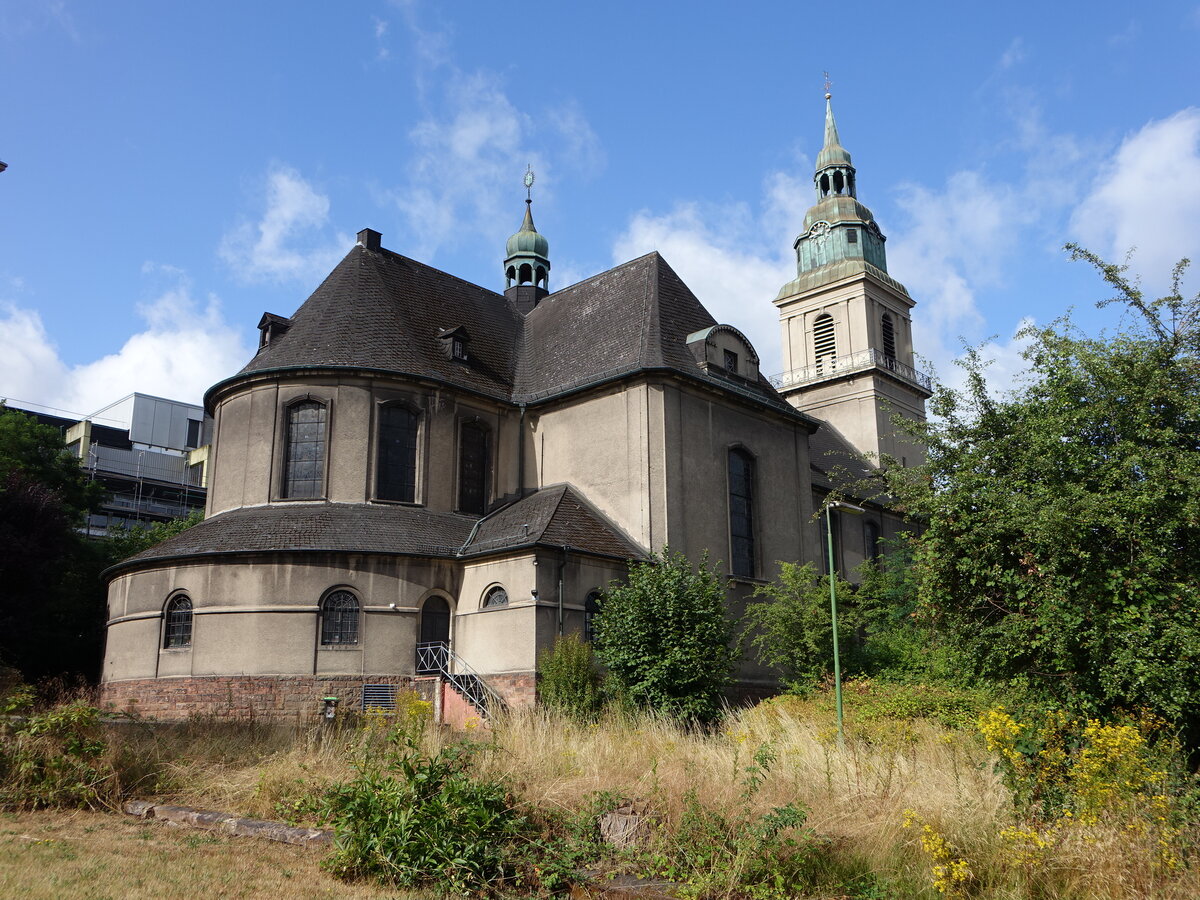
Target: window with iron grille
column 396, row 478
column 889, row 336
column 304, row 451
column 824, row 342
column 177, row 632
column 731, row 362
column 339, row 619
column 741, row 512
column 591, row 609
column 497, row 596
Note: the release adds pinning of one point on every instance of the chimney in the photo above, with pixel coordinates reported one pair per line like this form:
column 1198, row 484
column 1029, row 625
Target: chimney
column 369, row 238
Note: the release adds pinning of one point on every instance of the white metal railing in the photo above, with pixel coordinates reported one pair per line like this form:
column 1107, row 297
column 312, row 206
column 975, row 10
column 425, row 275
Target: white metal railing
column 436, row 658
column 833, row 366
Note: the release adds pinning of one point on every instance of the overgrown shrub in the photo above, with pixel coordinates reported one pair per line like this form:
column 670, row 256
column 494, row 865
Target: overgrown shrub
column 666, row 638
column 53, row 758
column 569, row 680
column 414, row 819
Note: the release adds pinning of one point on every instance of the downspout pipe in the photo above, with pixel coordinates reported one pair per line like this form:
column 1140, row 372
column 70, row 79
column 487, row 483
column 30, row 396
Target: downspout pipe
column 521, row 454
column 562, row 567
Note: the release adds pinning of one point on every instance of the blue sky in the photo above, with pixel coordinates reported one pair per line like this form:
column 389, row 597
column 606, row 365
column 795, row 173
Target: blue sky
column 175, row 170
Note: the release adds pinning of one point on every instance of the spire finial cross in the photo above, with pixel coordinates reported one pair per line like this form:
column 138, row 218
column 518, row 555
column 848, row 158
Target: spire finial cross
column 828, row 85
column 529, row 182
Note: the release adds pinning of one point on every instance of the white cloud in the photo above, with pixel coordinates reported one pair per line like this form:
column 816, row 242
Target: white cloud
column 186, row 347
column 1148, row 197
column 1014, row 54
column 472, row 146
column 381, row 29
column 290, row 241
column 723, row 253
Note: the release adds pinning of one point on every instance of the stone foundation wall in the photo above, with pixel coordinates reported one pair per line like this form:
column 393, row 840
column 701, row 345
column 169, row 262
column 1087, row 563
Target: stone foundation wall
column 279, row 697
column 517, row 688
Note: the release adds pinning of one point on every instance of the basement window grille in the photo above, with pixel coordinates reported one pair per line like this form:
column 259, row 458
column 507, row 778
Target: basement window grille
column 379, row 696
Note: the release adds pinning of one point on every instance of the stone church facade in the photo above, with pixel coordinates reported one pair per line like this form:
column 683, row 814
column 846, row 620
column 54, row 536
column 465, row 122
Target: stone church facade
column 418, row 481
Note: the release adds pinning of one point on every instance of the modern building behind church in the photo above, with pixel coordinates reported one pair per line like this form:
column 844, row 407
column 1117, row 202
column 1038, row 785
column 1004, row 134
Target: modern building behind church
column 422, row 481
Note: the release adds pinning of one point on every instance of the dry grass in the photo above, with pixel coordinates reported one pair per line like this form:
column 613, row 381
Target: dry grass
column 857, row 796
column 99, row 856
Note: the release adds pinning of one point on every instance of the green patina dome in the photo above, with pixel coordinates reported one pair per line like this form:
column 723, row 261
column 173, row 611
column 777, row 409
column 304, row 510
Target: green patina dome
column 527, row 241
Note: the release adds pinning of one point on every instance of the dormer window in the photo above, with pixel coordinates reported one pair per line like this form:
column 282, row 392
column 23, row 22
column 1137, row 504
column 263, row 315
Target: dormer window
column 454, row 343
column 723, row 350
column 271, row 326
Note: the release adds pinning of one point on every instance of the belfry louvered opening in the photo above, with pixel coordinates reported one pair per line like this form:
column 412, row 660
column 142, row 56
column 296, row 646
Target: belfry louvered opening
column 824, row 342
column 889, row 336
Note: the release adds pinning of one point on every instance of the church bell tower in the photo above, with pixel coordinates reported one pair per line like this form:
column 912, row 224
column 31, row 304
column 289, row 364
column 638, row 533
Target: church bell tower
column 527, row 260
column 847, row 328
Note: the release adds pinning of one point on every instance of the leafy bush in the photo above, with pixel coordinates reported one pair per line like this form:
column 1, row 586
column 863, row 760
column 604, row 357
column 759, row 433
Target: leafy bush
column 53, row 758
column 569, row 681
column 414, row 819
column 666, row 638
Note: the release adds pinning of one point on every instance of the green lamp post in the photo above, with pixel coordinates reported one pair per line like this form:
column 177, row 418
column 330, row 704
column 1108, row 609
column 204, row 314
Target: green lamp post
column 837, row 660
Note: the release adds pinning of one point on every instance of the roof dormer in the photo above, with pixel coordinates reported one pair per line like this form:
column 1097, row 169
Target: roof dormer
column 723, row 350
column 270, row 327
column 454, row 342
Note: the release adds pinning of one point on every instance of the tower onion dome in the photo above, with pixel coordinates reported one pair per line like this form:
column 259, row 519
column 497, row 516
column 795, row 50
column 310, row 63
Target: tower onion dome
column 528, row 240
column 528, row 253
column 833, row 153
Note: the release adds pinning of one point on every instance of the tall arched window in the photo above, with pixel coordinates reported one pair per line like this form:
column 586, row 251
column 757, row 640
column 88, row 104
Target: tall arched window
column 472, row 468
column 396, row 475
column 888, row 327
column 824, row 343
column 741, row 512
column 871, row 546
column 177, row 629
column 304, row 450
column 591, row 609
column 339, row 619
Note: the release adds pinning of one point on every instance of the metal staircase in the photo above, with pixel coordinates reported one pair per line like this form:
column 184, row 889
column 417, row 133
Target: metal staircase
column 436, row 658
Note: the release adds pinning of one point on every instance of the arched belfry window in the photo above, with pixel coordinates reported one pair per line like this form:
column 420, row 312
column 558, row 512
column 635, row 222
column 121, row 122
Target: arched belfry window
column 177, row 629
column 304, row 450
column 824, row 343
column 888, row 328
column 396, row 474
column 473, row 468
column 339, row 619
column 741, row 512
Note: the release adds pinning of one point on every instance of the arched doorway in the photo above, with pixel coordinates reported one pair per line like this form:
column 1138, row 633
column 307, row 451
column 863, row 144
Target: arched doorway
column 433, row 645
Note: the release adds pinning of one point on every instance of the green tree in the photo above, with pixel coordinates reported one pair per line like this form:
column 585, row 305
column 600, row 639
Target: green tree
column 666, row 638
column 1061, row 548
column 132, row 541
column 51, row 607
column 792, row 628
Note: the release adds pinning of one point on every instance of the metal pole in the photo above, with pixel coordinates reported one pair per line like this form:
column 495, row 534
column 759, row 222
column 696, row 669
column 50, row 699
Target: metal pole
column 837, row 662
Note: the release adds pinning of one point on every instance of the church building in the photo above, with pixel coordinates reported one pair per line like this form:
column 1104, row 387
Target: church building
column 421, row 482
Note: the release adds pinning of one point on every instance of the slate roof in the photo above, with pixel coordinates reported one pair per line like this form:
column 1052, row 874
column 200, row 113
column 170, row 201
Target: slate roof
column 380, row 310
column 343, row 527
column 554, row 516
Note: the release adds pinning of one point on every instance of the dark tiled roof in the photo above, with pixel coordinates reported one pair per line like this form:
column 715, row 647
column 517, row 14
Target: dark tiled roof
column 326, row 526
column 556, row 516
column 381, row 310
column 635, row 316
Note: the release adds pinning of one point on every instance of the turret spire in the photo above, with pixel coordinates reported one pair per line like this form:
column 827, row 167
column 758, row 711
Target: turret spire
column 527, row 265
